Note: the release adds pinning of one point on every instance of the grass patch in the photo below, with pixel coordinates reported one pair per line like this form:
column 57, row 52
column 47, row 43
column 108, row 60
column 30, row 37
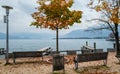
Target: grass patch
column 58, row 73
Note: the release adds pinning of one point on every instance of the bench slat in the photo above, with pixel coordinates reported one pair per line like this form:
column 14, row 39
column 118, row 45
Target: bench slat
column 71, row 52
column 92, row 57
column 27, row 54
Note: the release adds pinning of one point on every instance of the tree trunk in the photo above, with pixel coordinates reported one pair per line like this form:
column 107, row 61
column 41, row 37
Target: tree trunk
column 57, row 45
column 117, row 39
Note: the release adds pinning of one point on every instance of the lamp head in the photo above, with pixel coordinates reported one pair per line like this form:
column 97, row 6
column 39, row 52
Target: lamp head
column 7, row 7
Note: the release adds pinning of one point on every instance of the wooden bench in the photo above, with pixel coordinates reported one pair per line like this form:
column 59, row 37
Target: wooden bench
column 92, row 57
column 25, row 54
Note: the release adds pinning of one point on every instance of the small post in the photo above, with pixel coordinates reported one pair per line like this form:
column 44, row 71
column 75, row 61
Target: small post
column 86, row 43
column 13, row 58
column 114, row 45
column 42, row 56
column 94, row 46
column 0, row 50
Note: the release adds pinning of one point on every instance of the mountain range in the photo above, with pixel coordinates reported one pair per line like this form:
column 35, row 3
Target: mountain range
column 80, row 34
column 87, row 34
column 27, row 36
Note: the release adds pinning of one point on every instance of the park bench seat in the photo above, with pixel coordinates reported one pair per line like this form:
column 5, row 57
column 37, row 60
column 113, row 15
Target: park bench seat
column 25, row 54
column 92, row 57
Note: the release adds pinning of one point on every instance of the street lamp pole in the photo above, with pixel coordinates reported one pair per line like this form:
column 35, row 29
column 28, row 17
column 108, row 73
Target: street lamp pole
column 7, row 8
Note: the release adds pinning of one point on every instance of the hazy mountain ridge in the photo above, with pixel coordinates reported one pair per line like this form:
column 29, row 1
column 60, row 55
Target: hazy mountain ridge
column 27, row 36
column 75, row 34
column 88, row 34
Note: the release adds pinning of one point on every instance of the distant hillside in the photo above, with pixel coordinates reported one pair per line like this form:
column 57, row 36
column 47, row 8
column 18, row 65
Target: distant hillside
column 87, row 34
column 34, row 35
column 80, row 33
column 27, row 36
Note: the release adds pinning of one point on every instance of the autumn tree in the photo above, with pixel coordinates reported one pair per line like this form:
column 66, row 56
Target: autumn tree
column 55, row 15
column 110, row 9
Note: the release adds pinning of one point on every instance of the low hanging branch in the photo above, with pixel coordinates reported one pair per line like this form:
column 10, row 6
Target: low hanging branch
column 107, row 22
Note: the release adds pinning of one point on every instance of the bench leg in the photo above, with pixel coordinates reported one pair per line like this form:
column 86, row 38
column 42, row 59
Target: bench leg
column 118, row 59
column 105, row 62
column 64, row 70
column 14, row 60
column 42, row 58
column 76, row 65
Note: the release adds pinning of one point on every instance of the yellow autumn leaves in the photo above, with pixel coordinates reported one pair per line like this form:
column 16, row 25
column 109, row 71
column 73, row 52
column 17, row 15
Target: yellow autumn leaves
column 55, row 14
column 113, row 12
column 114, row 15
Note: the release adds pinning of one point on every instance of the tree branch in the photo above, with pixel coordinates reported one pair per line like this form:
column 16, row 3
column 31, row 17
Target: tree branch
column 104, row 22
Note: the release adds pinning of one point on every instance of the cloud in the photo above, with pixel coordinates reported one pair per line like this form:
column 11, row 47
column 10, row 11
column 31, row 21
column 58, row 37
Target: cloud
column 20, row 17
column 28, row 6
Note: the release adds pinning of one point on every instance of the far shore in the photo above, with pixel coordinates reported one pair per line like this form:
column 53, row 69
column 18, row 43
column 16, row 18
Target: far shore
column 83, row 38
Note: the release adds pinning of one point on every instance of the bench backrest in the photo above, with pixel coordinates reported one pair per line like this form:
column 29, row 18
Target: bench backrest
column 71, row 52
column 92, row 57
column 111, row 50
column 27, row 54
column 98, row 50
column 87, row 51
column 10, row 55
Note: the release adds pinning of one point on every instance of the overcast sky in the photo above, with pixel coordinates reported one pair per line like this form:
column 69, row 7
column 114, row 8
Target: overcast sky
column 20, row 17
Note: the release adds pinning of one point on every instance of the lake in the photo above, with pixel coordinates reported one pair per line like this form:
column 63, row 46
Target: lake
column 64, row 44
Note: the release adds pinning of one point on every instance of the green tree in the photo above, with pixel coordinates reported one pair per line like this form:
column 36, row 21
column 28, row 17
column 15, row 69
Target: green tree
column 111, row 11
column 55, row 15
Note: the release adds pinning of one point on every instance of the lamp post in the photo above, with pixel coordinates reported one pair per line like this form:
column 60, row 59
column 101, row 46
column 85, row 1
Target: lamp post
column 7, row 8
